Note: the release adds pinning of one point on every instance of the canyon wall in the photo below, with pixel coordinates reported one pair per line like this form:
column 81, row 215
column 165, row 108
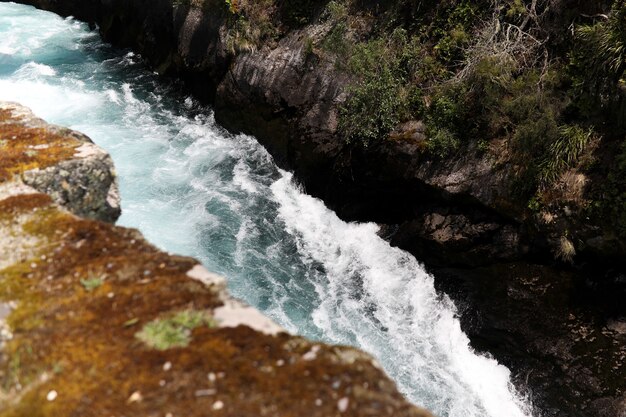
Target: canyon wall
column 558, row 326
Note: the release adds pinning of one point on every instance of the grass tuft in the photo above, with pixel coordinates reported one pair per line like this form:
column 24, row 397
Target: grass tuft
column 173, row 331
column 91, row 284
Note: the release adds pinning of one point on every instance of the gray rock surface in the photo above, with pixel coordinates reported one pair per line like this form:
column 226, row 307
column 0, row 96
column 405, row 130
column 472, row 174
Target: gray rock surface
column 85, row 184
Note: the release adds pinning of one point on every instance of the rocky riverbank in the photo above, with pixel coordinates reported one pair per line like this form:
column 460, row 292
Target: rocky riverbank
column 96, row 321
column 461, row 215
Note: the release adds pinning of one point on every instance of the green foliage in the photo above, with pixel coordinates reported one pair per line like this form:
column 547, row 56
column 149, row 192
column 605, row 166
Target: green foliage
column 232, row 6
column 336, row 41
column 249, row 24
column 91, row 284
column 385, row 94
column 452, row 29
column 564, row 152
column 445, row 120
column 373, row 109
column 611, row 203
column 405, row 75
column 516, row 8
column 173, row 331
column 534, row 204
column 598, row 62
column 442, row 142
column 336, row 10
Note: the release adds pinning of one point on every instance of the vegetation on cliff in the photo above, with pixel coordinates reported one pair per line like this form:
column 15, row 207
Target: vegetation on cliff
column 511, row 72
column 536, row 85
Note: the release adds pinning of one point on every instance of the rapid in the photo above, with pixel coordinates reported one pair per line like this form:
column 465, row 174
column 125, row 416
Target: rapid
column 193, row 188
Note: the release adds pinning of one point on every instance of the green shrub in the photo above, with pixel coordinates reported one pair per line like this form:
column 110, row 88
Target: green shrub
column 452, row 30
column 336, row 11
column 442, row 142
column 249, row 24
column 598, row 62
column 441, row 121
column 373, row 109
column 336, row 41
column 386, row 92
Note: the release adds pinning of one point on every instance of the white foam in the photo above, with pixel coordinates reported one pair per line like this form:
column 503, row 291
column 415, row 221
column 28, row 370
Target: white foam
column 34, row 70
column 49, row 101
column 194, row 190
column 372, row 286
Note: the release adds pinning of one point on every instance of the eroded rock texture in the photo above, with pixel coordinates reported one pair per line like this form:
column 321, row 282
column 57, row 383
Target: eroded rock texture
column 460, row 215
column 95, row 321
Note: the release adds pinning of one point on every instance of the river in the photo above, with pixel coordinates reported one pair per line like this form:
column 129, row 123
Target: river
column 194, row 189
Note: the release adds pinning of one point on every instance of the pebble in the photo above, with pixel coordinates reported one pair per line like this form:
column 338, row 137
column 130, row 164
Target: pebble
column 342, row 404
column 135, row 397
column 218, row 405
column 205, row 392
column 52, row 395
column 311, row 354
column 167, row 366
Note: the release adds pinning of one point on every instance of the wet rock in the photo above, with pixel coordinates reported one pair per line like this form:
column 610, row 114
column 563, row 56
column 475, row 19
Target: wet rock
column 539, row 322
column 461, row 211
column 289, row 100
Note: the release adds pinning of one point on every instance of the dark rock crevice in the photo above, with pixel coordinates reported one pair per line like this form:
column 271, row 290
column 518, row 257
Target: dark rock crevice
column 461, row 217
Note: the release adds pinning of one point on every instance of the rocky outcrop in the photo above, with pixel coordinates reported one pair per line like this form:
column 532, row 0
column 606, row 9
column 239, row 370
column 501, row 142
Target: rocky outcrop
column 544, row 324
column 96, row 321
column 288, row 94
column 461, row 212
column 64, row 164
column 288, row 91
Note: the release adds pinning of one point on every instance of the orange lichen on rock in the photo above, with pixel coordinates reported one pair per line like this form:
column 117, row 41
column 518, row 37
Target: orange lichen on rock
column 24, row 147
column 76, row 340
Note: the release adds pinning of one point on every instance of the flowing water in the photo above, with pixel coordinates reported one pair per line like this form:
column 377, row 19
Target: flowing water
column 194, row 189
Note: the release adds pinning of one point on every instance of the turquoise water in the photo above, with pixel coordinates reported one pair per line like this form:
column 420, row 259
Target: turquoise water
column 194, row 189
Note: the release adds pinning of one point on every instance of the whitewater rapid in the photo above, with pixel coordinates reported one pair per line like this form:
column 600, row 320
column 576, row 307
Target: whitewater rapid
column 194, row 189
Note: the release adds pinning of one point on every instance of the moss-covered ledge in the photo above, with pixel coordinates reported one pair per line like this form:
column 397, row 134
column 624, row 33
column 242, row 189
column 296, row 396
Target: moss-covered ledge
column 62, row 163
column 95, row 321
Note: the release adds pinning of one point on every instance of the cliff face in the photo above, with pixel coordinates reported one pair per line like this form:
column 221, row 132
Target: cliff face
column 288, row 90
column 460, row 214
column 96, row 321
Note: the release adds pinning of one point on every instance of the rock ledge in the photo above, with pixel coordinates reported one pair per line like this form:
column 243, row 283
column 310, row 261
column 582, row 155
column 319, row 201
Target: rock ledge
column 95, row 321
